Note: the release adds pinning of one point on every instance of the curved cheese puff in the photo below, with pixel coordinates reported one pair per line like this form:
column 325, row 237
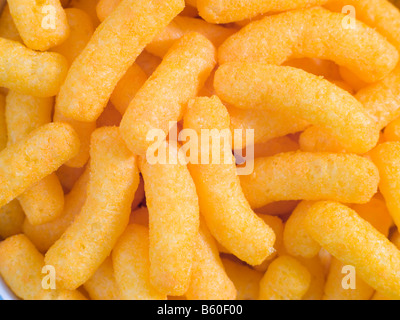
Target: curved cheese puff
column 8, row 29
column 173, row 206
column 110, row 52
column 44, row 201
column 105, row 7
column 45, row 235
column 378, row 14
column 131, row 264
column 392, row 131
column 310, row 176
column 293, row 91
column 209, row 280
column 41, row 24
column 376, row 259
column 89, row 240
column 277, row 38
column 225, row 11
column 46, row 70
column 222, row 203
column 34, row 157
column 163, row 97
column 102, row 285
column 81, row 31
column 285, row 279
column 387, row 158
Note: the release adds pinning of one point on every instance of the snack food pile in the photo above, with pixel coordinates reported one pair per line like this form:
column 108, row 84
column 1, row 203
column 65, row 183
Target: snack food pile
column 93, row 91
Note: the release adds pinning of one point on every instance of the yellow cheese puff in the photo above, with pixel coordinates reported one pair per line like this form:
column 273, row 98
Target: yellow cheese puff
column 105, row 7
column 97, row 70
column 392, row 131
column 11, row 219
column 375, row 258
column 315, row 267
column 89, row 6
column 102, row 285
column 131, row 264
column 41, row 24
column 285, row 279
column 8, row 29
column 89, row 240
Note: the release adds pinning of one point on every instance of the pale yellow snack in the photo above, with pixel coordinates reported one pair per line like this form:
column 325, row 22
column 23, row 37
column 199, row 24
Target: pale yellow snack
column 131, row 264
column 102, row 285
column 127, row 88
column 90, row 238
column 81, row 30
column 173, row 221
column 8, row 29
column 276, row 38
column 209, row 280
column 334, row 285
column 375, row 258
column 293, row 91
column 387, row 158
column 316, row 269
column 310, row 176
column 41, row 24
column 20, row 266
column 285, row 279
column 222, row 203
column 225, row 11
column 295, row 237
column 112, row 49
column 164, row 96
column 34, row 157
column 44, row 201
column 245, row 279
column 45, row 235
column 11, row 219
column 46, row 70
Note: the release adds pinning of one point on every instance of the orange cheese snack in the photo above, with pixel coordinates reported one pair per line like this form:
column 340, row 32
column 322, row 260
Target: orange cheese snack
column 8, row 30
column 97, row 70
column 89, row 240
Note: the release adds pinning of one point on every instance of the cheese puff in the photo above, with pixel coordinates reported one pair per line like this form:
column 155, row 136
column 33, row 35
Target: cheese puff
column 378, row 14
column 102, row 285
column 110, row 52
column 294, row 91
column 163, row 97
column 334, row 288
column 68, row 176
column 45, row 235
column 245, row 279
column 310, row 176
column 44, row 201
column 392, row 131
column 316, row 269
column 174, row 221
column 315, row 139
column 34, row 157
column 127, row 88
column 11, row 219
column 375, row 258
column 376, row 213
column 275, row 146
column 350, row 78
column 387, row 158
column 183, row 25
column 81, row 27
column 41, row 24
column 285, row 279
column 295, row 237
column 20, row 266
column 222, row 203
column 226, row 11
column 324, row 68
column 209, row 281
column 189, row 11
column 3, row 124
column 276, row 38
column 89, row 240
column 84, row 131
column 89, row 6
column 46, row 70
column 131, row 264
column 60, row 295
column 105, row 7
column 8, row 30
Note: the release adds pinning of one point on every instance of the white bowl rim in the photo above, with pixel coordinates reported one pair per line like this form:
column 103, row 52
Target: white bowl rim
column 5, row 292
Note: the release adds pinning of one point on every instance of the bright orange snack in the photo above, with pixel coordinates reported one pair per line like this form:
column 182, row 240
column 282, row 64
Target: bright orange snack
column 375, row 258
column 310, row 176
column 276, row 38
column 97, row 70
column 89, row 240
column 293, row 91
